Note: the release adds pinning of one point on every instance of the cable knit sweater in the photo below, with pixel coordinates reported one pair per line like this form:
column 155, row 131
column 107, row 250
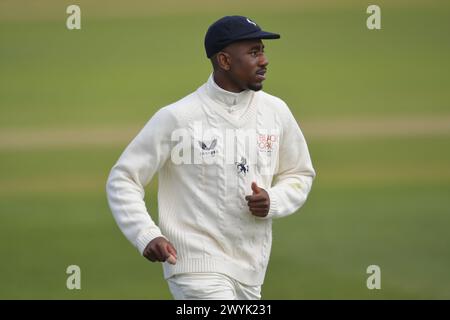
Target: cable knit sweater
column 207, row 148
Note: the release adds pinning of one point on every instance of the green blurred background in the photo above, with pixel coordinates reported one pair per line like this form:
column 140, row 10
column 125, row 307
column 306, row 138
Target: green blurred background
column 373, row 105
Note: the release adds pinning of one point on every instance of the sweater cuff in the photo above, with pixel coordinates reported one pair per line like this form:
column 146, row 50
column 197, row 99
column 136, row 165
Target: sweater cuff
column 145, row 237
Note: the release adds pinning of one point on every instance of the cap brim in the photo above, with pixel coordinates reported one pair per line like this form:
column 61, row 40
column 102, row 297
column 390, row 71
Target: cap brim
column 259, row 35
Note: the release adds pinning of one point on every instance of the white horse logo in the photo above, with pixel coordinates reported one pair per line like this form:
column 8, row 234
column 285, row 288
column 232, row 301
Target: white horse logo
column 250, row 21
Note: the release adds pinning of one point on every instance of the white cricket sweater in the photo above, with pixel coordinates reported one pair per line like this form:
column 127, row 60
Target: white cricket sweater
column 206, row 159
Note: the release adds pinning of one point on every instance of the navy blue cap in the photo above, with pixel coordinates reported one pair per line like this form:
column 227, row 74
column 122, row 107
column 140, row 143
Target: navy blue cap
column 230, row 29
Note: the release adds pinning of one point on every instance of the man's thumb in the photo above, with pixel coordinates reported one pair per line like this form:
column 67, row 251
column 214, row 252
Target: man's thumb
column 255, row 188
column 172, row 258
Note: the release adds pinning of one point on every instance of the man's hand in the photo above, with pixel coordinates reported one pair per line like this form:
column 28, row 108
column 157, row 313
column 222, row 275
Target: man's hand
column 159, row 249
column 259, row 201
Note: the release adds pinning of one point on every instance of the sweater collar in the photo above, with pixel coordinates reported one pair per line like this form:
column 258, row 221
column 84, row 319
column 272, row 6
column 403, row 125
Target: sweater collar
column 229, row 100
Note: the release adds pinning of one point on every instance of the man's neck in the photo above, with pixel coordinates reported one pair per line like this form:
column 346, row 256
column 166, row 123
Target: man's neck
column 225, row 83
column 229, row 99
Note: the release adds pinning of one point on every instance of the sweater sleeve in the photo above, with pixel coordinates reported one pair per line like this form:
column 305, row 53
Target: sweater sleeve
column 143, row 157
column 293, row 180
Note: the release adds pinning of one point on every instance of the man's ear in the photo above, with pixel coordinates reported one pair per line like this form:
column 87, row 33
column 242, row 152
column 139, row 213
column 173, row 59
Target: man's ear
column 223, row 60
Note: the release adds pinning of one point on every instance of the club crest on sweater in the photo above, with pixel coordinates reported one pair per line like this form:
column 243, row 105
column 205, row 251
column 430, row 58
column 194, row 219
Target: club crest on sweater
column 242, row 166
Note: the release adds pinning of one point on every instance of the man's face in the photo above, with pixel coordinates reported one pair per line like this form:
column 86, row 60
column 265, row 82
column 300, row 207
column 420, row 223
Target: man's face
column 247, row 64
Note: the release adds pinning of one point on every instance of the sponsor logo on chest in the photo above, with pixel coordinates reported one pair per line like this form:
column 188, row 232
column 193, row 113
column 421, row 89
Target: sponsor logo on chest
column 208, row 148
column 267, row 142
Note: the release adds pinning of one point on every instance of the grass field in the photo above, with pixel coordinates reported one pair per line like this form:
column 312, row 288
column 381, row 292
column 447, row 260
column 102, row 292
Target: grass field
column 378, row 199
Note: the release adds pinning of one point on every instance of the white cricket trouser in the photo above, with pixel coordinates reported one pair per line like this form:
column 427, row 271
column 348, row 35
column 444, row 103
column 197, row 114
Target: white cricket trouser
column 210, row 286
